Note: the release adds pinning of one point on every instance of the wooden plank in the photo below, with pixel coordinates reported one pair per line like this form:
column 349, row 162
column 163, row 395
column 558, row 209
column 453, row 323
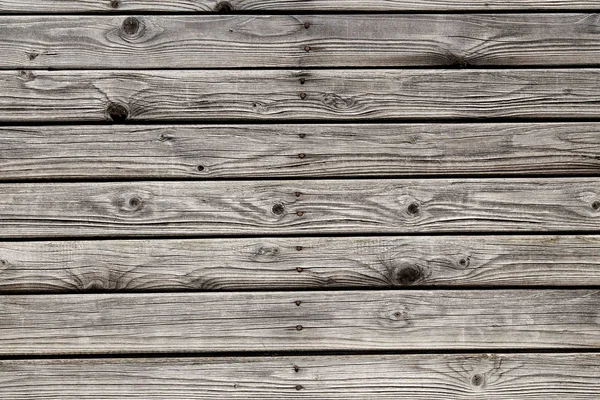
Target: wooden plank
column 299, row 321
column 299, row 41
column 34, row 96
column 283, row 263
column 244, row 151
column 292, row 207
column 422, row 376
column 74, row 6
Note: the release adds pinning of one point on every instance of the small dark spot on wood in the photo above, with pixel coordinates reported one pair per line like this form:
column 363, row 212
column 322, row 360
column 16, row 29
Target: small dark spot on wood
column 296, row 368
column 307, row 25
column 33, row 56
column 302, row 135
column 3, row 263
column 596, row 205
column 298, row 302
column 302, row 81
column 307, row 48
column 414, row 208
column 135, row 203
column 164, row 138
column 408, row 276
column 297, row 194
column 477, row 380
column 299, row 327
column 302, row 95
column 299, row 387
column 223, row 7
column 299, row 269
column 115, row 3
column 301, row 155
column 278, row 209
column 200, row 168
column 464, row 262
column 299, row 248
column 117, row 112
column 300, row 213
column 131, row 25
column 235, row 385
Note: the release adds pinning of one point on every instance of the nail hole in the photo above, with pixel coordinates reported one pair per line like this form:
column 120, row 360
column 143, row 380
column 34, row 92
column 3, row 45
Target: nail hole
column 299, row 269
column 200, row 168
column 277, row 209
column 296, row 368
column 299, row 387
column 414, row 208
column 302, row 135
column 131, row 25
column 297, row 194
column 298, row 302
column 302, row 81
column 224, row 7
column 307, row 25
column 307, row 48
column 299, row 248
column 301, row 155
column 117, row 112
column 299, row 327
column 302, row 95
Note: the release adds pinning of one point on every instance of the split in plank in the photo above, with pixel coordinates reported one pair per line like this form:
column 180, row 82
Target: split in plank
column 76, row 6
column 300, row 41
column 258, row 151
column 422, row 376
column 292, row 207
column 299, row 321
column 283, row 263
column 37, row 96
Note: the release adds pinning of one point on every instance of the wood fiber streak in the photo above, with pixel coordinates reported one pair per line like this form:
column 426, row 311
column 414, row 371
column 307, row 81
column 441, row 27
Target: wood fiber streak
column 62, row 6
column 231, row 41
column 258, row 151
column 62, row 96
column 280, row 263
column 291, row 207
column 272, row 321
column 432, row 377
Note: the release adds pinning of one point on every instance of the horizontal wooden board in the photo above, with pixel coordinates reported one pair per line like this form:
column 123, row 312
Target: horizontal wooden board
column 34, row 96
column 244, row 151
column 291, row 207
column 62, row 6
column 305, row 262
column 299, row 41
column 422, row 376
column 299, row 321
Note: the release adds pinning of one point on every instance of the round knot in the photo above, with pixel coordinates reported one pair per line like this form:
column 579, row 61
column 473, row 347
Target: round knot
column 117, row 112
column 414, row 208
column 278, row 209
column 408, row 276
column 477, row 380
column 223, row 7
column 131, row 25
column 596, row 205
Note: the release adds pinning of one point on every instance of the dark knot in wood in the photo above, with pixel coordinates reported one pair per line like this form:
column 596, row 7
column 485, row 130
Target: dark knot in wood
column 223, row 7
column 414, row 208
column 477, row 380
column 408, row 276
column 117, row 112
column 596, row 205
column 131, row 25
column 115, row 3
column 278, row 209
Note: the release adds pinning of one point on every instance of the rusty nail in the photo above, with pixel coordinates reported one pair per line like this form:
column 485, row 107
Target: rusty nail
column 298, row 302
column 301, row 155
column 299, row 269
column 299, row 213
column 299, row 327
column 302, row 95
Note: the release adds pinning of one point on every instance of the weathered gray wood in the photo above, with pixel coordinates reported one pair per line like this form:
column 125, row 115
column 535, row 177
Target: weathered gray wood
column 422, row 376
column 280, row 263
column 273, row 321
column 280, row 94
column 226, row 151
column 290, row 207
column 67, row 6
column 301, row 41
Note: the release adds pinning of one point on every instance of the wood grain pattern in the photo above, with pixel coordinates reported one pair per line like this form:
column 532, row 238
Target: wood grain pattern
column 273, row 321
column 423, row 376
column 63, row 6
column 283, row 263
column 30, row 96
column 299, row 41
column 244, row 151
column 291, row 207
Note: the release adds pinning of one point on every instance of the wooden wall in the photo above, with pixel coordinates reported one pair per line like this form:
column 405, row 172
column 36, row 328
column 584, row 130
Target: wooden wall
column 312, row 199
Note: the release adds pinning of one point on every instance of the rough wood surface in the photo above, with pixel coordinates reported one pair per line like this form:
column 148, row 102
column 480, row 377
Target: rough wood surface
column 239, row 151
column 28, row 96
column 67, row 6
column 305, row 262
column 299, row 41
column 291, row 207
column 423, row 376
column 299, row 321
